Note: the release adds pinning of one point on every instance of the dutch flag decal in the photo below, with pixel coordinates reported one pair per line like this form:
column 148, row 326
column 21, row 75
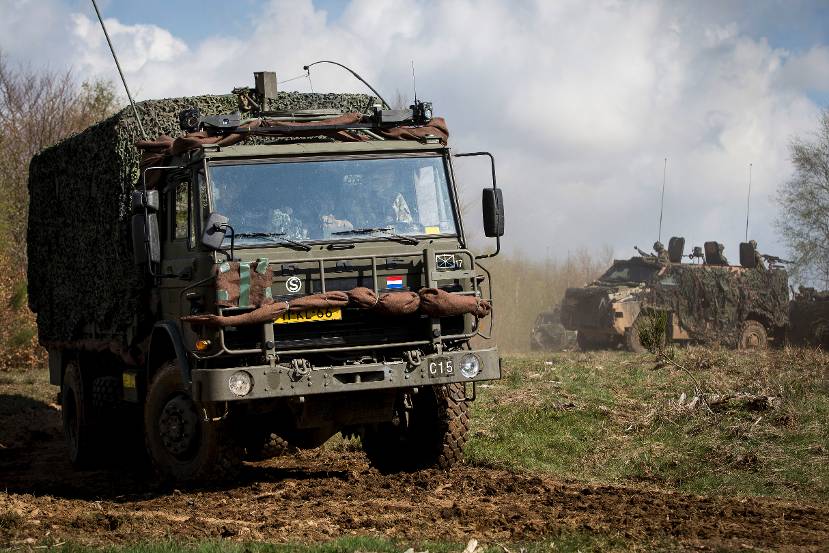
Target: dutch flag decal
column 394, row 282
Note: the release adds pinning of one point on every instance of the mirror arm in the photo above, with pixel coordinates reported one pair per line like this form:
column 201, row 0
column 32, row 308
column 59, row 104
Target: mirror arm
column 218, row 228
column 494, row 187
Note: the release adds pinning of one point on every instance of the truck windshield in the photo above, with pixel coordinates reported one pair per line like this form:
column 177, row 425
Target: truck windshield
column 344, row 199
column 629, row 272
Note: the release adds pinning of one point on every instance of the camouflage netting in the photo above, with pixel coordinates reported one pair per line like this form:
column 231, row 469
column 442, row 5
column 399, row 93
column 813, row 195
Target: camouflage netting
column 80, row 261
column 709, row 299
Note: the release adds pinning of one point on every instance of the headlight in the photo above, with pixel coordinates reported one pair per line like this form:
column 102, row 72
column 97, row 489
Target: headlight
column 470, row 365
column 240, row 383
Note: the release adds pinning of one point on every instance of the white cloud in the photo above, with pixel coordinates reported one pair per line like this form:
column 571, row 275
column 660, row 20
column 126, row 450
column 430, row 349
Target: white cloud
column 580, row 102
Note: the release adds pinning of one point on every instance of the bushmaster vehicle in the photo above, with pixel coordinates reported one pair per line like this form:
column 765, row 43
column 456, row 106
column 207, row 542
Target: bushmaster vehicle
column 742, row 306
column 294, row 269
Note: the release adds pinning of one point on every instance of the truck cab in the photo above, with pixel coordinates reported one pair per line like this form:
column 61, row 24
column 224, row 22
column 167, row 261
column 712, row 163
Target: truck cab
column 317, row 218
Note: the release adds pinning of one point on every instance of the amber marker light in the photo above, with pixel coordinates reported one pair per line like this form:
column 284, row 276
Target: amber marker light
column 202, row 345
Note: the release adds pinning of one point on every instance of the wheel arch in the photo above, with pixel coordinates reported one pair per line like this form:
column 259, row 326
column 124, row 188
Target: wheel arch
column 166, row 344
column 760, row 318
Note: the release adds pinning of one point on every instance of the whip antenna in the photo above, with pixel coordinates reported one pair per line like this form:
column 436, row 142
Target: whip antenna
column 748, row 200
column 662, row 200
column 414, row 84
column 359, row 78
column 118, row 65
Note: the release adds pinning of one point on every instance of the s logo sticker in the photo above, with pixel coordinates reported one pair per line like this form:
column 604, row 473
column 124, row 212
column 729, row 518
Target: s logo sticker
column 293, row 284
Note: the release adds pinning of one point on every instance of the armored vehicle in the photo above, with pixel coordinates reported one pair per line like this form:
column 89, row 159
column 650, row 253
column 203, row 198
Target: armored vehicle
column 548, row 334
column 294, row 269
column 742, row 306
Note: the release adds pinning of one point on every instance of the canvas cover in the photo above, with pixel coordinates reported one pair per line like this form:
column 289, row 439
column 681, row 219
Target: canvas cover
column 80, row 260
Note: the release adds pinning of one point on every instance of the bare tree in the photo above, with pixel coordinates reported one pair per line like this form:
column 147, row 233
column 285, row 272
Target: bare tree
column 804, row 205
column 38, row 109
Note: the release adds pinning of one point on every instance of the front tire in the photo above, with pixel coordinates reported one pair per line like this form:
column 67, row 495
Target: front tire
column 753, row 335
column 182, row 446
column 431, row 433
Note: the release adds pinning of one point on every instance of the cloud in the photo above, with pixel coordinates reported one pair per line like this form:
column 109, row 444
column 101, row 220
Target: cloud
column 579, row 102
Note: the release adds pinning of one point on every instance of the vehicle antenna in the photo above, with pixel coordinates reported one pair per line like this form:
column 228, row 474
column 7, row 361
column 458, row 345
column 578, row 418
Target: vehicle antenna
column 359, row 78
column 414, row 84
column 118, row 65
column 662, row 200
column 748, row 200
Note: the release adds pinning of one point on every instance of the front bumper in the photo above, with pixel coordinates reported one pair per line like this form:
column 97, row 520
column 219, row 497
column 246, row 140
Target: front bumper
column 280, row 381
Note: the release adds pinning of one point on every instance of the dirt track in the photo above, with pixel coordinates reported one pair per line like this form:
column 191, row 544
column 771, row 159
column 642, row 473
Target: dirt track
column 326, row 494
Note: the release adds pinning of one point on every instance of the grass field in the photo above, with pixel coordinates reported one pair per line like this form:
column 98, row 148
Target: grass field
column 619, row 417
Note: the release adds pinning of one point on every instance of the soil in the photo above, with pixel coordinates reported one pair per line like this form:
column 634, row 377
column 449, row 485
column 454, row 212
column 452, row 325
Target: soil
column 324, row 494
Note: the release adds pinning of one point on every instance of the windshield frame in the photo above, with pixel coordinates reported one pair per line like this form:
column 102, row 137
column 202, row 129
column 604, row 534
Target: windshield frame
column 354, row 238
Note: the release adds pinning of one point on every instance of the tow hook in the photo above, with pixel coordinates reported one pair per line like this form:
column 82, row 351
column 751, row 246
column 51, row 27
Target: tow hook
column 299, row 369
column 413, row 359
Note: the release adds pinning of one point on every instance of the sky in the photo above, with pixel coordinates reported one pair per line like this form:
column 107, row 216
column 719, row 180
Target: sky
column 580, row 102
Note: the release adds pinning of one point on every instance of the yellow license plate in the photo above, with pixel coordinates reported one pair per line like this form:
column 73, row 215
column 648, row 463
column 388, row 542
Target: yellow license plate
column 310, row 316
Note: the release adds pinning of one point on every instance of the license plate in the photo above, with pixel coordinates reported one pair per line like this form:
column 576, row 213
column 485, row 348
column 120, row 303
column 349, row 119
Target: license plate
column 441, row 366
column 310, row 316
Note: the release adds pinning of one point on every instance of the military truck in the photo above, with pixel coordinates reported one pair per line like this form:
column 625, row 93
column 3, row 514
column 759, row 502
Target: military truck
column 743, row 306
column 290, row 270
column 548, row 334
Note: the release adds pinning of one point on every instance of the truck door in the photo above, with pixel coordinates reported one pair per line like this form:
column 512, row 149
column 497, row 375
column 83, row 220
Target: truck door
column 179, row 248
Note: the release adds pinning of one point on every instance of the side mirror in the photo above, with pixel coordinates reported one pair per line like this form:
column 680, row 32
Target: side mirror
column 493, row 208
column 214, row 231
column 146, row 245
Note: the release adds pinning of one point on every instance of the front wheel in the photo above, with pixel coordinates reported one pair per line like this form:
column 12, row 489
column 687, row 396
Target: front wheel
column 182, row 445
column 428, row 432
column 753, row 335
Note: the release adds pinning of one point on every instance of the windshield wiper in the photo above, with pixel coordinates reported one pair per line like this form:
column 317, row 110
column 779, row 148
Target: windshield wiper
column 279, row 236
column 389, row 234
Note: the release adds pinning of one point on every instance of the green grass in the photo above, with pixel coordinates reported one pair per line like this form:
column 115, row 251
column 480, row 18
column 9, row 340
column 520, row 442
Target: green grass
column 564, row 543
column 616, row 417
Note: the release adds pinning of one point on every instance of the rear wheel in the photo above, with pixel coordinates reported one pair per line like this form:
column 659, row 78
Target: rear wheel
column 753, row 335
column 430, row 432
column 182, row 445
column 82, row 437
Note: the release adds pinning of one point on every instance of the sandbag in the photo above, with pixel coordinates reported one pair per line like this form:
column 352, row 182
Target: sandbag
column 391, row 303
column 440, row 303
column 243, row 284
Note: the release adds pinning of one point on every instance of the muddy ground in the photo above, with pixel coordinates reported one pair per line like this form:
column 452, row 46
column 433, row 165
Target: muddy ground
column 323, row 494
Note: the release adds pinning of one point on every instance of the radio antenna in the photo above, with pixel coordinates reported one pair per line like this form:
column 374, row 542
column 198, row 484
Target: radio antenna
column 662, row 200
column 118, row 65
column 748, row 199
column 359, row 78
column 414, row 84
